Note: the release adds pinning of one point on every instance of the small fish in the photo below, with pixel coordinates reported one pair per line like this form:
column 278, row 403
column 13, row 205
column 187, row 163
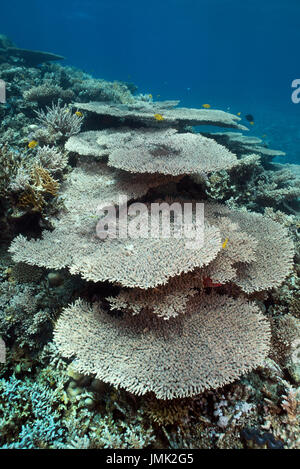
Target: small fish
column 239, row 113
column 207, row 106
column 208, row 283
column 251, row 123
column 249, row 118
column 32, row 144
column 158, row 117
column 225, row 243
column 158, row 95
column 264, row 136
column 150, row 96
column 78, row 114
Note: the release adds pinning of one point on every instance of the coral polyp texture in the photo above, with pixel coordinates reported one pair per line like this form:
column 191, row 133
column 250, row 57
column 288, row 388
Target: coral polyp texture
column 181, row 357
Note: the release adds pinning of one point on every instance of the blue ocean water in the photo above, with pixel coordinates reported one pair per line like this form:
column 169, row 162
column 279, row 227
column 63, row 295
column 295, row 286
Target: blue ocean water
column 240, row 56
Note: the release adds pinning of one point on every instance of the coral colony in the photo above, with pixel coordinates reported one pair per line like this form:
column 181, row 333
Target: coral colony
column 116, row 332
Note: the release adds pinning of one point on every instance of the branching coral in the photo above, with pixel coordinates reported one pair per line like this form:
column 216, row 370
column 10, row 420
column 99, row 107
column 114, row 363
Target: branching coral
column 33, row 193
column 31, row 200
column 166, row 412
column 60, row 121
column 20, row 181
column 24, row 401
column 43, row 181
column 51, row 159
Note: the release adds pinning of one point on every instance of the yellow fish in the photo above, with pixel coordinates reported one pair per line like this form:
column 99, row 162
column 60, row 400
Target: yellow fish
column 239, row 113
column 78, row 113
column 158, row 117
column 207, row 106
column 252, row 123
column 264, row 136
column 150, row 96
column 32, row 144
column 225, row 243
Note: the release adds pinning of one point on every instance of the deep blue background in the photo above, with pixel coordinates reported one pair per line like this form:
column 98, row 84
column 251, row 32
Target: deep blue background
column 232, row 54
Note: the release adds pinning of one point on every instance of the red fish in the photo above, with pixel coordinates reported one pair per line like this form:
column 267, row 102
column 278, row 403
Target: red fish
column 207, row 282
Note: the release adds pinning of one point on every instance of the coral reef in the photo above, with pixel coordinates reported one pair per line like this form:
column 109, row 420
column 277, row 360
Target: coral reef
column 164, row 346
column 146, row 262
